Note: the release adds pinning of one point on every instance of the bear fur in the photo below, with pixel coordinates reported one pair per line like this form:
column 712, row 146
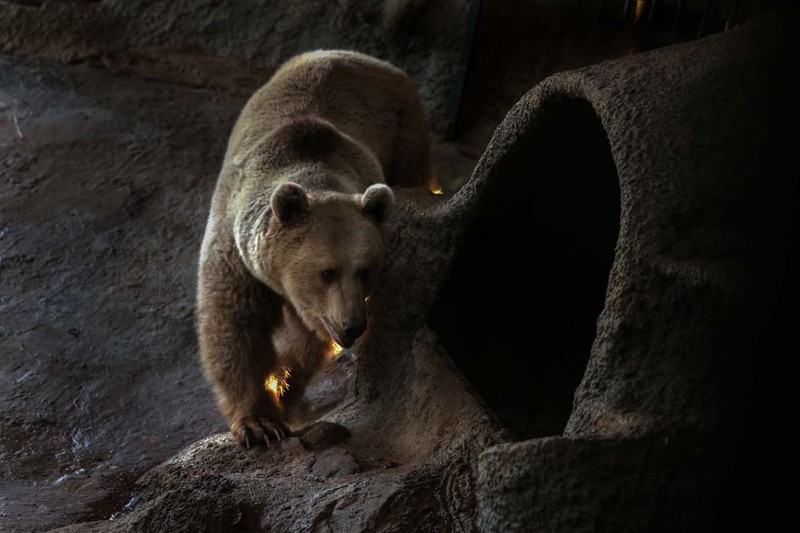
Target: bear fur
column 294, row 243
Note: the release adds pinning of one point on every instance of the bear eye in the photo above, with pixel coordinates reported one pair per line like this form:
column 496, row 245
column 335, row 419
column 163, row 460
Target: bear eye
column 328, row 275
column 363, row 274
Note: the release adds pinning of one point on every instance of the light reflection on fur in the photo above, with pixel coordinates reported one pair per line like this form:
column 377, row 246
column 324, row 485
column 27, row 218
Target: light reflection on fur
column 278, row 383
column 334, row 350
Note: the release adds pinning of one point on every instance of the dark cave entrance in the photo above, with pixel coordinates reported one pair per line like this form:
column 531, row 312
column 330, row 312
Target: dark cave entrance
column 519, row 308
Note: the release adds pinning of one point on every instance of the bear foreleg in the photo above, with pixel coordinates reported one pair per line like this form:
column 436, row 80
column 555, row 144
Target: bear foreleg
column 303, row 354
column 236, row 316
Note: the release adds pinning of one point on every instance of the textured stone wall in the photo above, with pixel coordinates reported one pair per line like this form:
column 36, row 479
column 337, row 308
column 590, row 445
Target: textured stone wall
column 236, row 44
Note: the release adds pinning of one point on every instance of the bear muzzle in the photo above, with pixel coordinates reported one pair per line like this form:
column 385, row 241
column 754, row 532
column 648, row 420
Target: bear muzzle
column 353, row 329
column 349, row 331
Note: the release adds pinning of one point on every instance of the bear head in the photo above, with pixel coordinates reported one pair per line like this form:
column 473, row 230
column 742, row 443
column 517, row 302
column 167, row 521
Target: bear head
column 323, row 252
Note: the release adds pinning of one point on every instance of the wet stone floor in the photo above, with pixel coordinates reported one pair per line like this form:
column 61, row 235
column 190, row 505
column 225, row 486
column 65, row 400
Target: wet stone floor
column 104, row 188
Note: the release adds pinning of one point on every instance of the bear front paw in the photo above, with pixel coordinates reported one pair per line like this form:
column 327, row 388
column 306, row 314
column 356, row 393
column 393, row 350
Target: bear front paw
column 251, row 430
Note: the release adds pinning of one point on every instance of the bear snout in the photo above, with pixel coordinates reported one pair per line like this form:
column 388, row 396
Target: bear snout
column 353, row 329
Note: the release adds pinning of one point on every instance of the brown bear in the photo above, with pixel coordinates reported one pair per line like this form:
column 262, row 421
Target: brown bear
column 294, row 242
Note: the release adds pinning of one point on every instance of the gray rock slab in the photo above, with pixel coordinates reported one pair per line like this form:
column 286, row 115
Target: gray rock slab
column 334, row 462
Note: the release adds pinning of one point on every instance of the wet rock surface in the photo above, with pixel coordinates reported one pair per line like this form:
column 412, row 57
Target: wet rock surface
column 105, row 182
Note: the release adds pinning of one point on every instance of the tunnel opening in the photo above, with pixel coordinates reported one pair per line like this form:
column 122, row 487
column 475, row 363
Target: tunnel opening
column 518, row 310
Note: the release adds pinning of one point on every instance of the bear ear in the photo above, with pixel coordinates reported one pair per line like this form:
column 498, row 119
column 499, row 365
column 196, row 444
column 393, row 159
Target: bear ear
column 377, row 200
column 289, row 202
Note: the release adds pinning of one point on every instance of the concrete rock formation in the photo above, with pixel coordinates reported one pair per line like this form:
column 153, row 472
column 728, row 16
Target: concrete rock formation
column 684, row 370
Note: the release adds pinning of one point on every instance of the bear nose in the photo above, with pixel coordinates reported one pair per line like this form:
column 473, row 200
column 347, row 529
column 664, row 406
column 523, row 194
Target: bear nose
column 353, row 329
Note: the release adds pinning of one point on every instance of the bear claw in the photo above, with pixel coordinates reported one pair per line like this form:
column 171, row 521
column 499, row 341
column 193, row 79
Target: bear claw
column 252, row 432
column 279, row 430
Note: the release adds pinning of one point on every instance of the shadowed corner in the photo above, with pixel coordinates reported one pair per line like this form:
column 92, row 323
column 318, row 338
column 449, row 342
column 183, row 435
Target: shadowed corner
column 518, row 310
